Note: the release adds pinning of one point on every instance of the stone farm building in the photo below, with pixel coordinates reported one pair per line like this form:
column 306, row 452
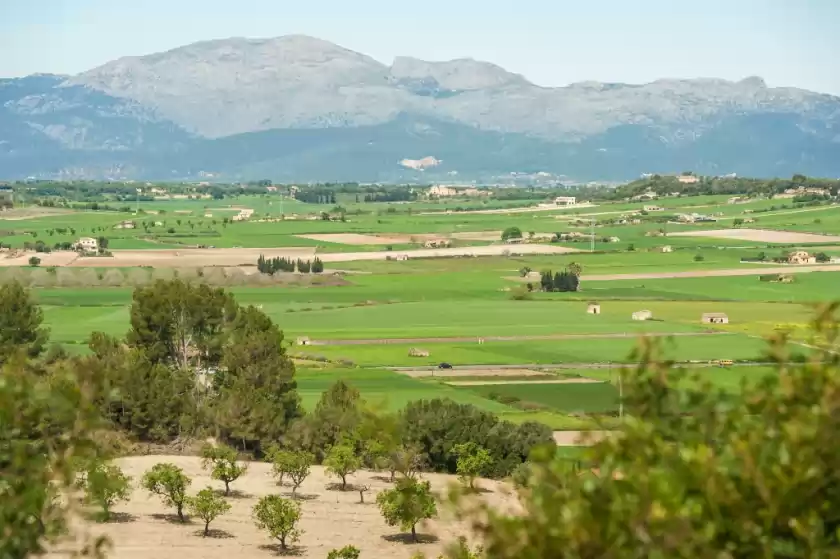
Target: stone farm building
column 714, row 318
column 437, row 243
column 87, row 244
column 801, row 257
column 593, row 308
column 642, row 315
column 564, row 201
column 417, row 352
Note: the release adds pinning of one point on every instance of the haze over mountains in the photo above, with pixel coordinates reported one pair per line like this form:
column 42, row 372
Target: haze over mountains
column 300, row 108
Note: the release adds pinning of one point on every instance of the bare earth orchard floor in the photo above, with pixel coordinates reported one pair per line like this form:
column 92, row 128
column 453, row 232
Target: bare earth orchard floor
column 331, row 519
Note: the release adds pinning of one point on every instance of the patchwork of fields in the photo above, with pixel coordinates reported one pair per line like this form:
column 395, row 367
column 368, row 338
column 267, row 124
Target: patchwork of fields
column 468, row 305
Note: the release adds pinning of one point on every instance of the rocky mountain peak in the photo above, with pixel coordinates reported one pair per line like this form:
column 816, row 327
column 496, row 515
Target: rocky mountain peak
column 465, row 74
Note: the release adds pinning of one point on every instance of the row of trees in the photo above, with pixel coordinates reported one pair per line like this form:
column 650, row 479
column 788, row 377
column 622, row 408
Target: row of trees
column 271, row 266
column 566, row 280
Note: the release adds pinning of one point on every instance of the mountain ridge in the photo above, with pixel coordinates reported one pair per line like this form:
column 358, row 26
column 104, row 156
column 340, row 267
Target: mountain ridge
column 127, row 110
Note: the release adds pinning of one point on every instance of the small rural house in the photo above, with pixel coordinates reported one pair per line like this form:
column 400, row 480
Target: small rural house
column 653, row 208
column 564, row 201
column 303, row 340
column 642, row 315
column 688, row 179
column 417, row 352
column 402, row 257
column 593, row 308
column 801, row 257
column 87, row 244
column 714, row 318
column 666, row 248
column 125, row 225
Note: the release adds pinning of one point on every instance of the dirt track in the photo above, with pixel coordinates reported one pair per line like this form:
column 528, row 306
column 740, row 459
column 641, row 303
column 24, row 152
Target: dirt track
column 196, row 257
column 466, row 373
column 330, row 518
column 791, row 269
column 760, row 236
column 385, row 341
column 579, row 380
column 578, row 438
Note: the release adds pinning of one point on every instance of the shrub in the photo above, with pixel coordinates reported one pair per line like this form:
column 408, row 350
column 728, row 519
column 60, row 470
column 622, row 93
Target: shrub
column 699, row 258
column 346, row 552
column 511, row 233
column 34, row 261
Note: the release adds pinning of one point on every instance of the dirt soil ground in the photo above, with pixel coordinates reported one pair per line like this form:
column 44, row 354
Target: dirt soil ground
column 197, row 257
column 578, row 438
column 760, row 236
column 791, row 269
column 579, row 380
column 189, row 257
column 358, row 239
column 18, row 214
column 462, row 373
column 331, row 519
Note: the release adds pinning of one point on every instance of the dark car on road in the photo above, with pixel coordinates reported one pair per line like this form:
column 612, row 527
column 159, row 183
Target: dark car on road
column 444, row 366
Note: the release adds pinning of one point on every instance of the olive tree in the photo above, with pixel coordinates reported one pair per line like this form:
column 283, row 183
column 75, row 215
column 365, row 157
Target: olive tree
column 170, row 483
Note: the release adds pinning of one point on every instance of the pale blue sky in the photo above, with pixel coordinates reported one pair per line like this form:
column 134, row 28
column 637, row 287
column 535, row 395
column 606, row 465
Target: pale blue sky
column 551, row 42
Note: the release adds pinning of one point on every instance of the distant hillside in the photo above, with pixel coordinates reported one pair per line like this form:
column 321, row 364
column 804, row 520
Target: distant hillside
column 299, row 108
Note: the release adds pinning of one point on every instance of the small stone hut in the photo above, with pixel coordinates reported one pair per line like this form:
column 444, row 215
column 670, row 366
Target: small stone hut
column 593, row 308
column 417, row 352
column 303, row 340
column 714, row 318
column 642, row 315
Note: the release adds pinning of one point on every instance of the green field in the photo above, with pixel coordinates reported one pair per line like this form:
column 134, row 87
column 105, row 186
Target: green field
column 566, row 398
column 460, row 300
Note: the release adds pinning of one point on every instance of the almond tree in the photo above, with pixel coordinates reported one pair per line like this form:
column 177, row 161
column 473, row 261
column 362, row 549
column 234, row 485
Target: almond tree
column 221, row 460
column 208, row 506
column 279, row 517
column 170, row 483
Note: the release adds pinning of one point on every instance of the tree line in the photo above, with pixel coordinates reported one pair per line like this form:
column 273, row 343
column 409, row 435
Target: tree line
column 271, row 266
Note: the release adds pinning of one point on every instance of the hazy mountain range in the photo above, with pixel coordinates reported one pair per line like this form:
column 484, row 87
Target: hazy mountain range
column 299, row 108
